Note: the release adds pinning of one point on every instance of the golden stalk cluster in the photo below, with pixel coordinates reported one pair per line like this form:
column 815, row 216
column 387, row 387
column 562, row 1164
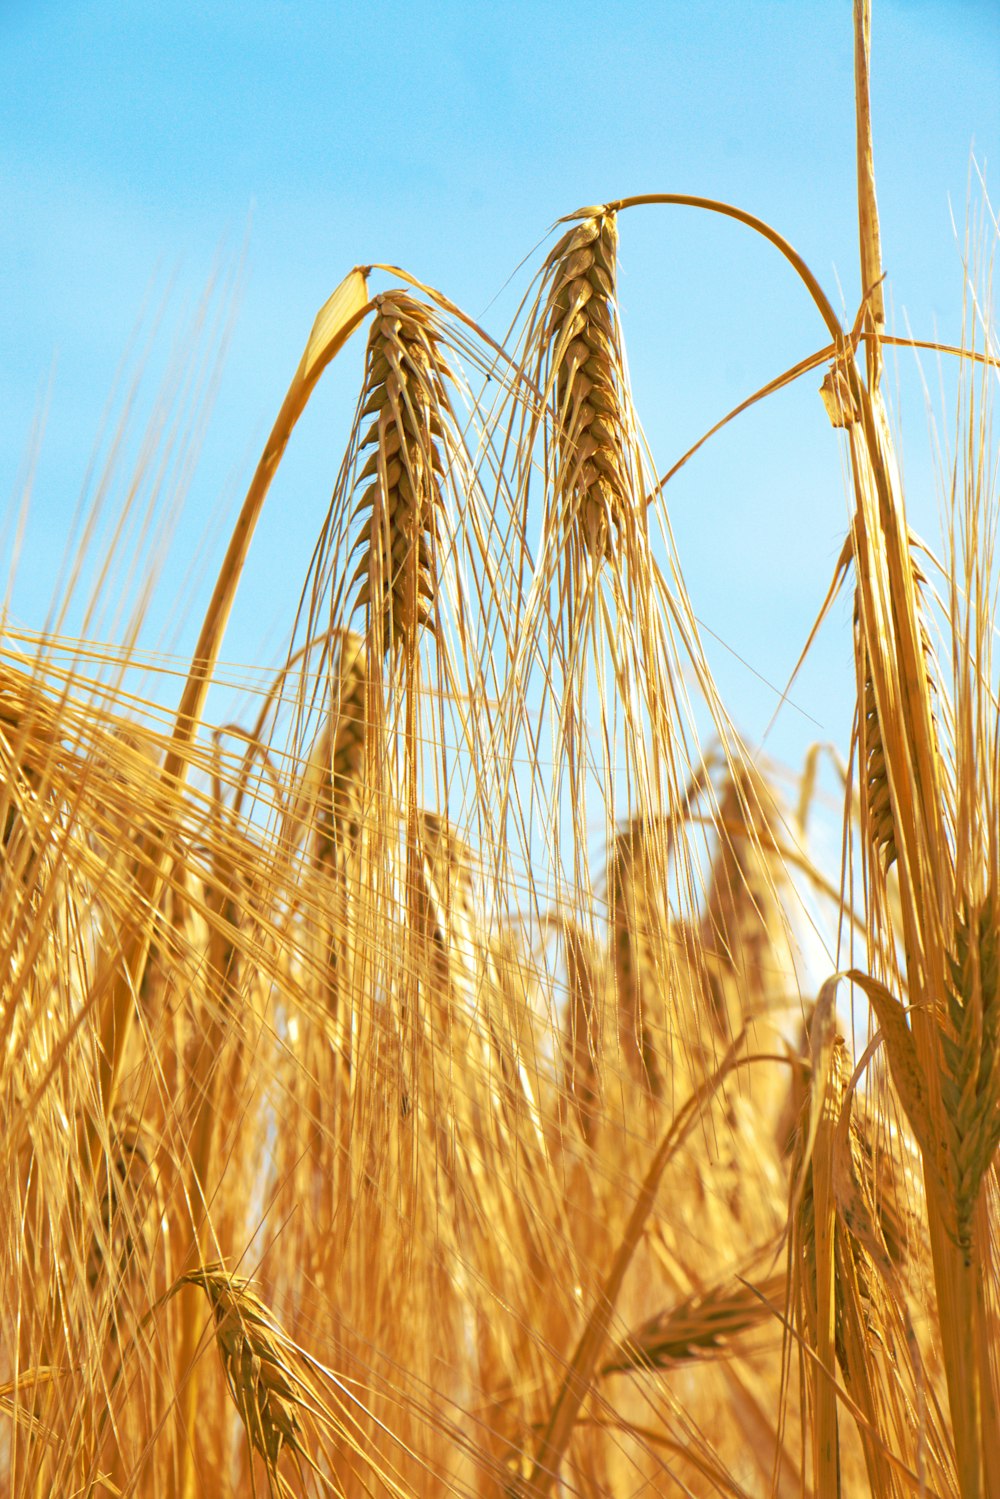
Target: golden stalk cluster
column 562, row 1182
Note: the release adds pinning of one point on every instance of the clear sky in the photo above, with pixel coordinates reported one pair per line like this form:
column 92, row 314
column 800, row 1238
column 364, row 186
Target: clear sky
column 142, row 146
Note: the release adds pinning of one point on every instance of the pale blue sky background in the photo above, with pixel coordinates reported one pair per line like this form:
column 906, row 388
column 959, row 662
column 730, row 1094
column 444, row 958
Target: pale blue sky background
column 141, row 145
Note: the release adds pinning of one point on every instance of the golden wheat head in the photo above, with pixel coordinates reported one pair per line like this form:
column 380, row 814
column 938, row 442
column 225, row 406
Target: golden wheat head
column 264, row 1388
column 582, row 334
column 407, row 447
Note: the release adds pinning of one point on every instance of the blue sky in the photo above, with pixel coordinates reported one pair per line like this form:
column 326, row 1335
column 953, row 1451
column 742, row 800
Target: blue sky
column 144, row 146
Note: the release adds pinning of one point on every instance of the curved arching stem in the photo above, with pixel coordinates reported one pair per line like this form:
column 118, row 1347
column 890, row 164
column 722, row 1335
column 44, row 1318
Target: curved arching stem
column 813, row 361
column 727, row 210
column 335, row 322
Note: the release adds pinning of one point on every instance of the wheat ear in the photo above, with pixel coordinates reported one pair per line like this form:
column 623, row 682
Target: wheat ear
column 638, row 926
column 970, row 1081
column 332, row 781
column 265, row 1391
column 581, row 1039
column 593, row 486
column 407, row 446
column 700, row 1327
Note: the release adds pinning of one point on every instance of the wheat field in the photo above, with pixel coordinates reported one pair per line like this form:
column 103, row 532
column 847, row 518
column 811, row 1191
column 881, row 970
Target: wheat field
column 419, row 1084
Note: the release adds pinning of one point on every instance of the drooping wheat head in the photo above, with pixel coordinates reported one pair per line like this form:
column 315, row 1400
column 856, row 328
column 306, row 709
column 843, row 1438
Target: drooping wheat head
column 443, row 914
column 699, row 1328
column 876, row 801
column 639, row 935
column 745, row 934
column 582, row 1033
column 407, row 448
column 970, row 1082
column 341, row 750
column 264, row 1389
column 594, row 494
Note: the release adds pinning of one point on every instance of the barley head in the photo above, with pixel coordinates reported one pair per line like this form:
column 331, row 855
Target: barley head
column 265, row 1391
column 342, row 750
column 408, row 448
column 970, row 1083
column 639, row 933
column 593, row 485
column 701, row 1327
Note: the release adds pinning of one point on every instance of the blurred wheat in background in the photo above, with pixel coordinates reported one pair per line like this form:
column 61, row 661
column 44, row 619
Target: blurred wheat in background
column 425, row 1084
